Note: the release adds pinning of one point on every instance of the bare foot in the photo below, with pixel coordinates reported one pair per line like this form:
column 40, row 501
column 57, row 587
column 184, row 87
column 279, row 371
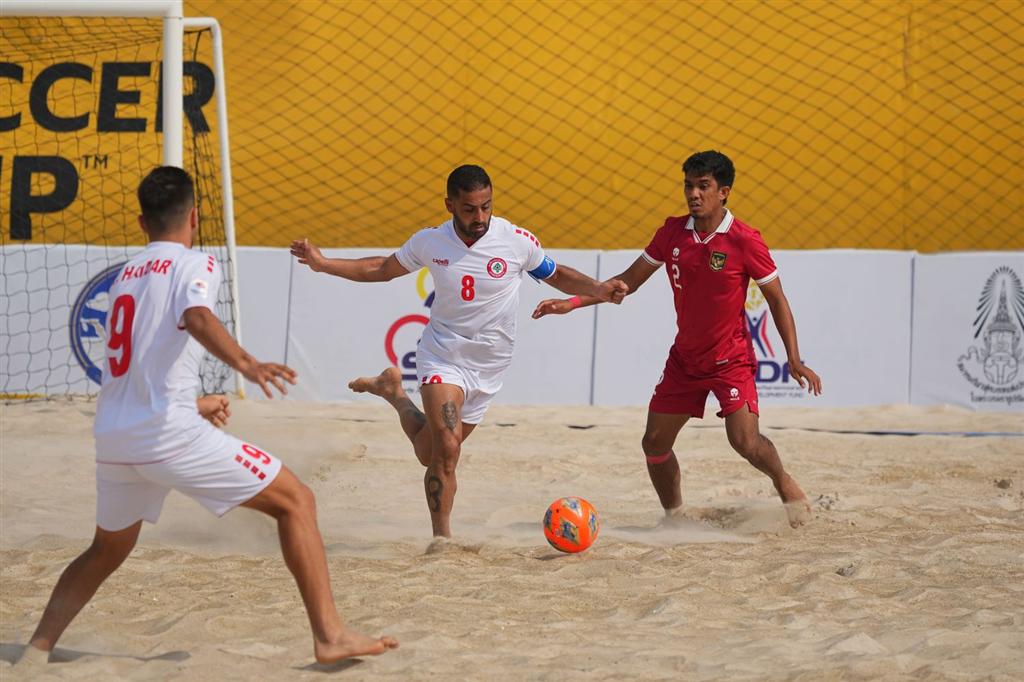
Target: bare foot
column 798, row 510
column 352, row 644
column 32, row 658
column 387, row 385
column 675, row 517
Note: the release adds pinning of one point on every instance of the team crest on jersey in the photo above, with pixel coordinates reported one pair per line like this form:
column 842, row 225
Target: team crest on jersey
column 199, row 287
column 675, row 252
column 717, row 260
column 497, row 267
column 88, row 322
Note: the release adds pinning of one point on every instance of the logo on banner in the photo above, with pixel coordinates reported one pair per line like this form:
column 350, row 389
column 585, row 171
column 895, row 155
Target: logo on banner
column 404, row 333
column 995, row 364
column 773, row 378
column 88, row 322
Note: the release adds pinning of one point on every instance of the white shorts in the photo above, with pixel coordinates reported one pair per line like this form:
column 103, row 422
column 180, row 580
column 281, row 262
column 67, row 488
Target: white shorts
column 478, row 387
column 219, row 473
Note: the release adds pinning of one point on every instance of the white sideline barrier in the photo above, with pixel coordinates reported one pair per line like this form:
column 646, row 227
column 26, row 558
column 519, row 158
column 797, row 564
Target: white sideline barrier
column 633, row 338
column 853, row 313
column 851, row 308
column 968, row 346
column 264, row 277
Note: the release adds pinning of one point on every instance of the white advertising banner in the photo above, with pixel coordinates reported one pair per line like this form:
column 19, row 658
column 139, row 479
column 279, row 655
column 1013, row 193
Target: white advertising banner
column 339, row 330
column 852, row 310
column 968, row 346
column 633, row 338
column 264, row 281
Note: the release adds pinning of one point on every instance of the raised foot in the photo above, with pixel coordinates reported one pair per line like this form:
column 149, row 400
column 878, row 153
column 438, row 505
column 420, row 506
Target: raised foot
column 353, row 644
column 387, row 384
column 798, row 509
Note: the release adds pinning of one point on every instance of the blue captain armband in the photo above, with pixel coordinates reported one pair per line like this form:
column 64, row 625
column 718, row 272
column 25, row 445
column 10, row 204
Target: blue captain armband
column 544, row 270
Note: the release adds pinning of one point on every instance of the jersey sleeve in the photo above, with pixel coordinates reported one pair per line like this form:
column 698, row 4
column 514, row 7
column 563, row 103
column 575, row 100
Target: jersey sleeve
column 536, row 263
column 656, row 251
column 760, row 265
column 409, row 254
column 198, row 286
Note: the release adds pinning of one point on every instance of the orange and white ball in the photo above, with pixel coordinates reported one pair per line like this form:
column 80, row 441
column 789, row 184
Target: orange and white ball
column 570, row 524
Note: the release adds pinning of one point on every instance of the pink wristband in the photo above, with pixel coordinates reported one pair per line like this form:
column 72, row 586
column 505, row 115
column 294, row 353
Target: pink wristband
column 575, row 302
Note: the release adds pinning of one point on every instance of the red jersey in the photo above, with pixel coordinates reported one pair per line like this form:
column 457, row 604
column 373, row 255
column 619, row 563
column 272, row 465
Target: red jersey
column 709, row 281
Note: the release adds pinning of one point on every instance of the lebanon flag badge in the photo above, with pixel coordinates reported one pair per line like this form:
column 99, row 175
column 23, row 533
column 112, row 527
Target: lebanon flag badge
column 497, row 267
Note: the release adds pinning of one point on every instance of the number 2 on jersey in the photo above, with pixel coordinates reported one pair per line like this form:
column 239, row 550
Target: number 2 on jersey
column 675, row 277
column 121, row 317
column 468, row 291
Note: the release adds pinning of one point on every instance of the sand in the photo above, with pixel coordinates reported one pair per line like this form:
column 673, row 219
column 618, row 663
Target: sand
column 911, row 568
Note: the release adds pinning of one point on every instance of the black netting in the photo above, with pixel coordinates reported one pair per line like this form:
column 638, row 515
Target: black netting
column 852, row 124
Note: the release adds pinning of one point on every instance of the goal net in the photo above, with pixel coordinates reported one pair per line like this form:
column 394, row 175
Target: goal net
column 81, row 118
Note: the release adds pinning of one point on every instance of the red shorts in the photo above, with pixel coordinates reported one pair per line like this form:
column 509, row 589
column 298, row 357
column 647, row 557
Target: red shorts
column 680, row 393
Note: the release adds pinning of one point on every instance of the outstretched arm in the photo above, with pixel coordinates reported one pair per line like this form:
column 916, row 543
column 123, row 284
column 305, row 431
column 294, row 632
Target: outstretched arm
column 634, row 276
column 204, row 326
column 572, row 281
column 372, row 269
column 784, row 322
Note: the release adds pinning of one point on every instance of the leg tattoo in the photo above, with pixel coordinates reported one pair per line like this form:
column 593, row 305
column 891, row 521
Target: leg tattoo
column 450, row 415
column 434, row 490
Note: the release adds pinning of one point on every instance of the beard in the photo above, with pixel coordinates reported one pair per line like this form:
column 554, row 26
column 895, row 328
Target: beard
column 472, row 230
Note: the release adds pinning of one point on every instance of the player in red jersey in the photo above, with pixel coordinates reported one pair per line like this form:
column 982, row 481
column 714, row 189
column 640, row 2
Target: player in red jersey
column 710, row 258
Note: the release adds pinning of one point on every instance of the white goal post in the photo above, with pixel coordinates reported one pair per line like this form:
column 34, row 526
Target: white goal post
column 175, row 24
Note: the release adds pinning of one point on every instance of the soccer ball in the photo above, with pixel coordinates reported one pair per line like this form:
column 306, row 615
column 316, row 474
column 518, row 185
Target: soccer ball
column 570, row 524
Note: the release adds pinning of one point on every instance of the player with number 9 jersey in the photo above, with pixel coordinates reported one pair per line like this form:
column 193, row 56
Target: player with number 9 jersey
column 153, row 435
column 147, row 405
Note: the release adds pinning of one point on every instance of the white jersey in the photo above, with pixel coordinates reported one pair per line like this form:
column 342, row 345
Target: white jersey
column 146, row 410
column 476, row 290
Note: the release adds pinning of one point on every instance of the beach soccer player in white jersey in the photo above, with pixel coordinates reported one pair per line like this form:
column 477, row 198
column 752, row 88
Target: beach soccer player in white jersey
column 151, row 438
column 477, row 261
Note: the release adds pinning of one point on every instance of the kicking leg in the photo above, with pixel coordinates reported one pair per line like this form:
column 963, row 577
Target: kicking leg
column 745, row 438
column 294, row 507
column 80, row 580
column 662, row 465
column 388, row 385
column 443, row 406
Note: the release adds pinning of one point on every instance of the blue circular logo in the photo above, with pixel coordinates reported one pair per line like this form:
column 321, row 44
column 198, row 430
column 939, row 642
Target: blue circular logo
column 88, row 323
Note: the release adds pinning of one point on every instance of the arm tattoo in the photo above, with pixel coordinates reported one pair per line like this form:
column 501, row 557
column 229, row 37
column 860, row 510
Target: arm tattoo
column 434, row 489
column 450, row 415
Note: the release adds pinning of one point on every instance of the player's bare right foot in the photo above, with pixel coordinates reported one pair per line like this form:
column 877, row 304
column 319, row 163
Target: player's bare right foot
column 798, row 509
column 387, row 385
column 352, row 644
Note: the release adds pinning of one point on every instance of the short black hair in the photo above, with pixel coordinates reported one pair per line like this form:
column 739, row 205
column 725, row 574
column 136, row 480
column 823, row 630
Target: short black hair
column 713, row 163
column 166, row 195
column 467, row 178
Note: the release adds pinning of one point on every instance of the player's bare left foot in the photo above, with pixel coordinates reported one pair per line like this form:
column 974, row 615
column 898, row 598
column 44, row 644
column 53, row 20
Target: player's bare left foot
column 352, row 644
column 798, row 509
column 387, row 385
